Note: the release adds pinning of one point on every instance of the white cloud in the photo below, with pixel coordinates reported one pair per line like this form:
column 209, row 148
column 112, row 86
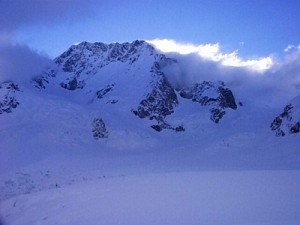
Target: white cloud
column 166, row 45
column 260, row 64
column 213, row 52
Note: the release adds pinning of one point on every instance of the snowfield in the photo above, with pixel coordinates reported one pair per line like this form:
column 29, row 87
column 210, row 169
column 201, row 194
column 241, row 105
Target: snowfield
column 190, row 198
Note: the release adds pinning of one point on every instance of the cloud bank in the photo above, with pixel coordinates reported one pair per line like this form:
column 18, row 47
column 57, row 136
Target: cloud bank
column 19, row 63
column 278, row 82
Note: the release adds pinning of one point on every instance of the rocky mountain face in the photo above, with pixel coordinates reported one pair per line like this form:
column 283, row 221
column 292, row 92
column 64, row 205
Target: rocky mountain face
column 215, row 95
column 8, row 100
column 287, row 122
column 159, row 102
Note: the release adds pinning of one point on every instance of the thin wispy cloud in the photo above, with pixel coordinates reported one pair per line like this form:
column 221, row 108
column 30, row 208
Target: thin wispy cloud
column 290, row 48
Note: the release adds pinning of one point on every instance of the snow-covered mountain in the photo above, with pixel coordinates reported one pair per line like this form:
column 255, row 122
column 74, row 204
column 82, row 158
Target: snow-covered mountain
column 122, row 93
column 129, row 76
column 124, row 87
column 132, row 74
column 110, row 110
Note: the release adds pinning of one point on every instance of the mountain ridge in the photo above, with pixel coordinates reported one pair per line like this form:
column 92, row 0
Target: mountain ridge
column 85, row 59
column 121, row 94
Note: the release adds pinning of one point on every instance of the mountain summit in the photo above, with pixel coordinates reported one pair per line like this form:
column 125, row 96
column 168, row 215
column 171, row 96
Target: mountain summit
column 130, row 75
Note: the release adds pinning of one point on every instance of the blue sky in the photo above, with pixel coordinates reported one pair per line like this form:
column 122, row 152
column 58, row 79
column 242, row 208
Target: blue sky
column 255, row 28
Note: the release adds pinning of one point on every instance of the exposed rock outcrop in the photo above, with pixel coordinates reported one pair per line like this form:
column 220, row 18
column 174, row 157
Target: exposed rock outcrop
column 102, row 92
column 285, row 122
column 159, row 103
column 215, row 95
column 8, row 100
column 99, row 130
column 73, row 84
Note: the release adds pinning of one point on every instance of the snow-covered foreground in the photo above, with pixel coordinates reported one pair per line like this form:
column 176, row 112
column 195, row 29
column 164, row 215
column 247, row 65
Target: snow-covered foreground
column 216, row 198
